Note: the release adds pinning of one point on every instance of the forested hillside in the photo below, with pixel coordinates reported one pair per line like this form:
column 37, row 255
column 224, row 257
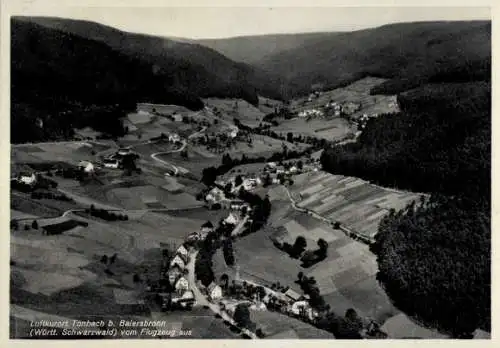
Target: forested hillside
column 76, row 74
column 253, row 49
column 187, row 65
column 434, row 257
column 408, row 54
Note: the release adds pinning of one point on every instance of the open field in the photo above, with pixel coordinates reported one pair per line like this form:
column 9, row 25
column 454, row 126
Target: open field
column 195, row 163
column 62, row 274
column 236, row 108
column 278, row 326
column 326, row 128
column 353, row 202
column 266, row 105
column 68, row 152
column 263, row 146
column 346, row 278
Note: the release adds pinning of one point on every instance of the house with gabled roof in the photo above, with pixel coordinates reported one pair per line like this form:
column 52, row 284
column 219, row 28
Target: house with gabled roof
column 292, row 295
column 183, row 252
column 178, row 261
column 207, row 227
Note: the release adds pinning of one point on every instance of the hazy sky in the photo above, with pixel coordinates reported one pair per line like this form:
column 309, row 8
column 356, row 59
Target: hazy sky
column 215, row 22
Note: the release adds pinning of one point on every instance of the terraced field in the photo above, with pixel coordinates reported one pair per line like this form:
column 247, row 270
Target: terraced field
column 355, row 203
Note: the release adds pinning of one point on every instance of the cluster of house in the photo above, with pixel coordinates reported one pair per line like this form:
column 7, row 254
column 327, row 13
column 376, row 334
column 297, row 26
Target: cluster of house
column 287, row 302
column 182, row 295
column 350, row 108
column 217, row 195
column 291, row 302
column 311, row 113
column 113, row 161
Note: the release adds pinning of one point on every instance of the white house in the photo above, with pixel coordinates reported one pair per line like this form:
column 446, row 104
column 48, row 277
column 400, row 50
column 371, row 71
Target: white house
column 174, row 137
column 113, row 164
column 293, row 169
column 87, row 166
column 215, row 195
column 28, row 179
column 249, row 184
column 178, row 261
column 303, row 308
column 177, row 117
column 124, row 151
column 232, row 219
column 181, row 284
column 271, row 165
column 233, row 133
column 214, row 291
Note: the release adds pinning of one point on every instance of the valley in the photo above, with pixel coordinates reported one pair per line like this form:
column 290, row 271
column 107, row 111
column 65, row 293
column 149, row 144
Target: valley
column 224, row 201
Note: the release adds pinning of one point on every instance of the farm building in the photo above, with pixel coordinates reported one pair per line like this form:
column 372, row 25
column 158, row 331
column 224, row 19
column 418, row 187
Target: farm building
column 178, row 261
column 86, row 166
column 271, row 165
column 292, row 295
column 181, row 285
column 214, row 291
column 113, row 164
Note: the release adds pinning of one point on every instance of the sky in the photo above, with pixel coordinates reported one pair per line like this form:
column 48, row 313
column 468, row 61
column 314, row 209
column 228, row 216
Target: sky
column 220, row 22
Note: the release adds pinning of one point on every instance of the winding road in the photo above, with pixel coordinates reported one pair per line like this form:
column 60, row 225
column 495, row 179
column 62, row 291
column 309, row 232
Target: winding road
column 184, row 144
